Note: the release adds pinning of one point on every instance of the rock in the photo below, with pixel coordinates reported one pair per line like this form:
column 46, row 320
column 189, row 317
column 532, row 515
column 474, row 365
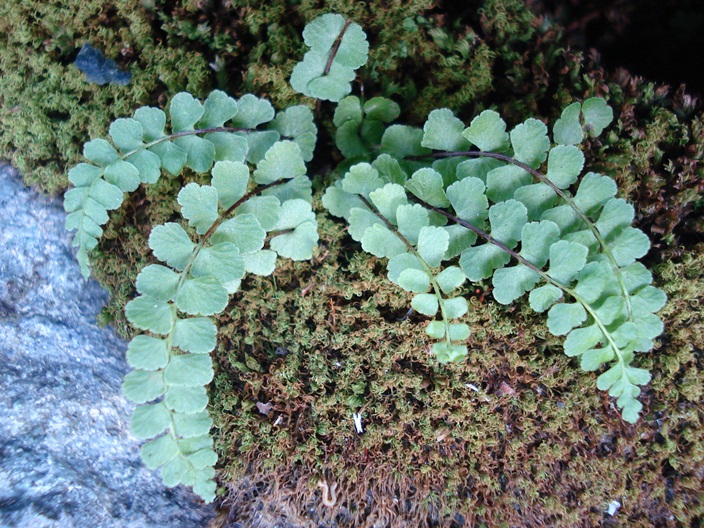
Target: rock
column 67, row 458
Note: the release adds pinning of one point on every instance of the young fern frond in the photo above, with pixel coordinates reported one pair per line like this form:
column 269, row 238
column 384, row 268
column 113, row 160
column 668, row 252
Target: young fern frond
column 581, row 247
column 140, row 148
column 337, row 48
column 232, row 217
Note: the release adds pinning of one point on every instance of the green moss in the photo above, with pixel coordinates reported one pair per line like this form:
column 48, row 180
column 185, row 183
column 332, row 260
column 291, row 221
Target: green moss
column 515, row 436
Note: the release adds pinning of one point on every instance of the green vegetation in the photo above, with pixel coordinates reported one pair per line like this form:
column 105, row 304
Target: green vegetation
column 507, row 436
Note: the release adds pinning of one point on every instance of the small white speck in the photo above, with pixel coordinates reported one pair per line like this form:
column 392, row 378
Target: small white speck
column 357, row 417
column 613, row 508
column 279, row 419
column 473, row 387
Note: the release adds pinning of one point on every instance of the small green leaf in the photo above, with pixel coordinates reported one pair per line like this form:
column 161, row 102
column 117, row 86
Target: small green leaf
column 630, row 244
column 580, row 340
column 218, row 108
column 595, row 358
column 189, row 370
column 147, row 313
column 436, row 329
column 503, row 182
column 123, row 174
column 450, row 279
column 388, row 199
column 479, row 262
column 469, row 201
column 511, row 283
column 197, row 335
column 296, row 123
column 443, row 131
column 459, row 331
column 266, row 209
column 455, row 308
column 202, row 296
column 568, row 130
column 101, row 152
column 427, row 185
column 152, row 120
column 220, row 261
column 507, row 220
column 381, row 109
column 147, row 353
column 141, row 386
column 425, row 303
column 565, row 163
column 252, row 112
column 411, row 219
column 446, row 352
column 597, row 115
column 544, row 297
column 185, row 112
column 299, row 187
column 401, row 141
column 399, row 263
column 349, row 142
column 282, row 161
column 537, row 198
column 461, row 238
column 414, row 280
column 244, row 231
column 158, row 281
column 200, row 153
column 258, row 143
column 611, row 309
column 617, row 213
column 203, row 458
column 260, row 262
column 230, row 179
column 530, row 142
column 593, row 192
column 362, row 179
column 199, row 205
column 348, row 110
column 175, row 471
column 593, row 280
column 158, row 452
column 191, row 425
column 127, row 134
column 171, row 244
column 150, row 420
column 147, row 164
column 536, row 240
column 488, row 132
column 432, row 245
column 381, row 242
column 186, row 399
column 563, row 317
column 299, row 244
column 566, row 260
column 173, row 158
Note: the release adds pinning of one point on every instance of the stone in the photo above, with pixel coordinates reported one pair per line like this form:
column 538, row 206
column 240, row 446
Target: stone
column 67, row 458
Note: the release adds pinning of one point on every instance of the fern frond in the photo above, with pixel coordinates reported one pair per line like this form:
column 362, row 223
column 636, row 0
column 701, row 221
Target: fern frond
column 202, row 265
column 140, row 148
column 580, row 247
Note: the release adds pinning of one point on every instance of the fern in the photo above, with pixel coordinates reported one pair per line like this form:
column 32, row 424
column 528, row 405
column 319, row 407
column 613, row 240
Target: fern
column 440, row 212
column 580, row 249
column 177, row 301
column 337, row 48
column 141, row 149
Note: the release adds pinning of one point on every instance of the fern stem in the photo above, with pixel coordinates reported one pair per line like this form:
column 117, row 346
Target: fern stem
column 562, row 194
column 547, row 278
column 428, row 268
column 185, row 133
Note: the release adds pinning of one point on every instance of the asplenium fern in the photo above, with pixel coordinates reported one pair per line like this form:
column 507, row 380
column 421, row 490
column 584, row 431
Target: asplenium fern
column 141, row 148
column 440, row 212
column 204, row 257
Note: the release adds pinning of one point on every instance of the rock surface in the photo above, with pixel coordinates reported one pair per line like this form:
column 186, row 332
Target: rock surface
column 67, row 458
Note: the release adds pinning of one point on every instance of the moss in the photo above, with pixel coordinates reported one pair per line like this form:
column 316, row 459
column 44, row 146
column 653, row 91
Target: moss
column 515, row 436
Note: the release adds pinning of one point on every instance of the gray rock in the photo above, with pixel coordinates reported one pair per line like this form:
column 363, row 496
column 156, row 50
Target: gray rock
column 67, row 458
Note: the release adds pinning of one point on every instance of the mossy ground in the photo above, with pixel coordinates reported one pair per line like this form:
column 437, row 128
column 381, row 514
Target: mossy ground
column 516, row 435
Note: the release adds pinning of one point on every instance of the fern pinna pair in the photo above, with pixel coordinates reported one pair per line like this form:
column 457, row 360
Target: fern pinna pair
column 444, row 204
